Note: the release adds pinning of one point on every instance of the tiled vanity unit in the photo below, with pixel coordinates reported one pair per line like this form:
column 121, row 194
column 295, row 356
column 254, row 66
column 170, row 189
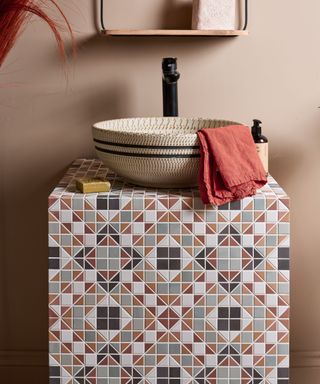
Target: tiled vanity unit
column 151, row 286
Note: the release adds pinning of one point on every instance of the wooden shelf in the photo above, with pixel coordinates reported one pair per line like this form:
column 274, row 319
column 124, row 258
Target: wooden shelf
column 172, row 32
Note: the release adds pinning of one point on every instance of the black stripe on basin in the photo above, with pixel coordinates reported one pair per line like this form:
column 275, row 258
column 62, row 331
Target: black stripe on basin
column 150, row 155
column 146, row 146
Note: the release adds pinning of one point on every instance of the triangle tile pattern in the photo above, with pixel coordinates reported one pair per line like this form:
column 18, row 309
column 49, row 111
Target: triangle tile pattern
column 151, row 286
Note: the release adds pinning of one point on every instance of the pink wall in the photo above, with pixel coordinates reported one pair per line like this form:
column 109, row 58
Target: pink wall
column 272, row 74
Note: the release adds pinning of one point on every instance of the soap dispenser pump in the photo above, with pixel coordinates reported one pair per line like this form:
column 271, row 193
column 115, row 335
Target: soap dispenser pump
column 261, row 143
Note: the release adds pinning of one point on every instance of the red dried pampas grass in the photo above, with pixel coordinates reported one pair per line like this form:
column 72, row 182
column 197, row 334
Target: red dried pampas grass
column 15, row 13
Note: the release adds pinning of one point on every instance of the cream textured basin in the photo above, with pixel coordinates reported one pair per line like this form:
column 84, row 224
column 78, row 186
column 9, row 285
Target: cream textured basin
column 161, row 152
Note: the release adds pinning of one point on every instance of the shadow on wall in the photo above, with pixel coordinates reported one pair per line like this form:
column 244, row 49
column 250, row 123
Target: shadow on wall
column 110, row 102
column 120, row 46
column 290, row 161
column 176, row 15
column 23, row 272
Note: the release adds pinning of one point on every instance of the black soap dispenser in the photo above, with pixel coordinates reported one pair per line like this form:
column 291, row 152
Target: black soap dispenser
column 262, row 144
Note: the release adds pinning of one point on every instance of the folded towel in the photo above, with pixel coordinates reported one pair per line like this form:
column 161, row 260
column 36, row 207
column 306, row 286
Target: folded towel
column 214, row 14
column 230, row 167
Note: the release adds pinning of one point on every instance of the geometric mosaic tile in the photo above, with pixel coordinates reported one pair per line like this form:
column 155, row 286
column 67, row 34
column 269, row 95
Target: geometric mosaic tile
column 152, row 286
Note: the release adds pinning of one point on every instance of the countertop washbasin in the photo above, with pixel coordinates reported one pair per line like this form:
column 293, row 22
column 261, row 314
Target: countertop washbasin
column 160, row 152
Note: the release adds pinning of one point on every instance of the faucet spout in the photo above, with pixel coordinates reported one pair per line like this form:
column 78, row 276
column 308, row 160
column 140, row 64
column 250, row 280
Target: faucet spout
column 170, row 79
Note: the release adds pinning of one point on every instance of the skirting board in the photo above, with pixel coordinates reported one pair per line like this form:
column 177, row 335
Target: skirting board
column 23, row 358
column 299, row 359
column 305, row 359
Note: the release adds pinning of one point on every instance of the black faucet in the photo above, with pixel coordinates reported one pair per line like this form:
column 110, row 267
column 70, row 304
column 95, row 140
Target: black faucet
column 170, row 86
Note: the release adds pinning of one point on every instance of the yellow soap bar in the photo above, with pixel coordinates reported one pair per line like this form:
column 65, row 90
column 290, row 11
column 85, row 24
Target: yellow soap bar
column 93, row 185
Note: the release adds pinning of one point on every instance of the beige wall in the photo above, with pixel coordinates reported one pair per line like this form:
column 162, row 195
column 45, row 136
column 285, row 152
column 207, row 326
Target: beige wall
column 274, row 74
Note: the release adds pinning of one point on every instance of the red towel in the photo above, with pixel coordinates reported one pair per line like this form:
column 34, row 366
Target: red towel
column 230, row 167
